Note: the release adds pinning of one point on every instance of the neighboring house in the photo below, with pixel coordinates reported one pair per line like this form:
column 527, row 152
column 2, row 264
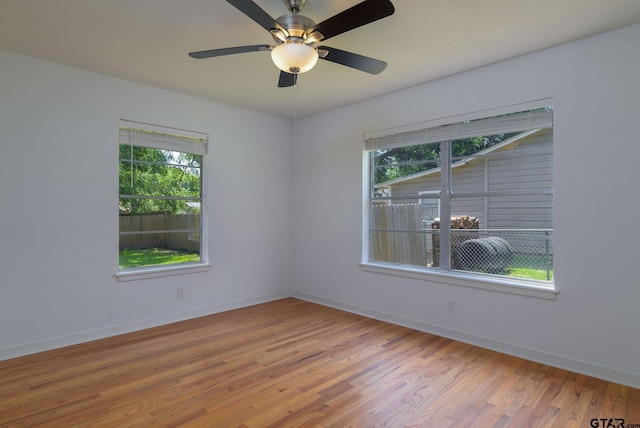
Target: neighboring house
column 522, row 162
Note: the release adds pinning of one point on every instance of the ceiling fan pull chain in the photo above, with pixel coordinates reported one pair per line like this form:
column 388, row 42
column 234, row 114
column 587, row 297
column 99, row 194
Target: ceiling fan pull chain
column 295, row 104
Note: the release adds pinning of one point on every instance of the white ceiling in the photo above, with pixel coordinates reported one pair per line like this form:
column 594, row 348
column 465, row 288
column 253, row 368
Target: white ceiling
column 147, row 41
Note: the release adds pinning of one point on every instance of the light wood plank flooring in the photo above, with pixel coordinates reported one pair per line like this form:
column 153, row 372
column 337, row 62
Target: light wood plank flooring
column 291, row 363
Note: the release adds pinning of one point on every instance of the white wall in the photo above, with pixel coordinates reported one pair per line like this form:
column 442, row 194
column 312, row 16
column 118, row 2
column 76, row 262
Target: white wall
column 59, row 199
column 593, row 324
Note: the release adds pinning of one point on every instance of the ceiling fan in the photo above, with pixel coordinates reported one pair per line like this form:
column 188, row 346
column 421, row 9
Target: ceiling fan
column 295, row 36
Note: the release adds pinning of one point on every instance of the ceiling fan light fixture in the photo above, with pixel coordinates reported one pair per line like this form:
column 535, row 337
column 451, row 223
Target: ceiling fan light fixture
column 294, row 57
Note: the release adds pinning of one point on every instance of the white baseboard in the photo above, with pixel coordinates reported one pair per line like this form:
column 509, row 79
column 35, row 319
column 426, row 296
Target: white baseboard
column 87, row 336
column 531, row 354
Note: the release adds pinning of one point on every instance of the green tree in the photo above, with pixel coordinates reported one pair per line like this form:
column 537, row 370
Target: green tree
column 157, row 173
column 390, row 164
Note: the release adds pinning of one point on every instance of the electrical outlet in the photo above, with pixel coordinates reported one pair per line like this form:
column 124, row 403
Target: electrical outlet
column 451, row 306
column 180, row 293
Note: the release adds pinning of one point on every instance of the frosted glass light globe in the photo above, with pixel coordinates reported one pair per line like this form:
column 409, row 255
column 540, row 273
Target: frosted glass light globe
column 294, row 58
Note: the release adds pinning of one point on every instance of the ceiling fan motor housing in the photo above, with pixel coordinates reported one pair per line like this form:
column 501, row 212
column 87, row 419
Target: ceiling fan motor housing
column 294, row 6
column 295, row 25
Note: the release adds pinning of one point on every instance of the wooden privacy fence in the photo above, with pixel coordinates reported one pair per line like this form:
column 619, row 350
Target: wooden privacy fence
column 396, row 234
column 172, row 231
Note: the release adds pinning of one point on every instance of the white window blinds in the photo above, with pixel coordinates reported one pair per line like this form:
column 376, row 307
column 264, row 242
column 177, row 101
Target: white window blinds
column 139, row 134
column 514, row 122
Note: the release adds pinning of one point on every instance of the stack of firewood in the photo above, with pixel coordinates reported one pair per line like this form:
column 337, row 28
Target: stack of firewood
column 459, row 222
column 465, row 222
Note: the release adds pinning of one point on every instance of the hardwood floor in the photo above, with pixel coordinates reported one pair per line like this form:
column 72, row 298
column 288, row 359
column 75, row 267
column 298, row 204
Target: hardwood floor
column 291, row 363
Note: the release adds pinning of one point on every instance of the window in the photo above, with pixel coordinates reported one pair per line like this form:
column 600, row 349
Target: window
column 160, row 205
column 491, row 177
column 430, row 206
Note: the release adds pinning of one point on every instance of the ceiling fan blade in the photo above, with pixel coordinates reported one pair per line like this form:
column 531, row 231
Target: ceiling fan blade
column 228, row 51
column 287, row 79
column 361, row 14
column 359, row 62
column 257, row 14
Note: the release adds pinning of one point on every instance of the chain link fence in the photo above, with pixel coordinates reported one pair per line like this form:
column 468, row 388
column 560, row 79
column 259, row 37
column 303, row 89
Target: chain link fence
column 521, row 253
column 398, row 234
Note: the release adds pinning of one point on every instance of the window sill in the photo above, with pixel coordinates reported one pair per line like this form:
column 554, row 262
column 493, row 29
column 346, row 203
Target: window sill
column 160, row 271
column 512, row 286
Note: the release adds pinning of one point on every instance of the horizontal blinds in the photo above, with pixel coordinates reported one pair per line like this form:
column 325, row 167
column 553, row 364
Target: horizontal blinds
column 514, row 122
column 169, row 140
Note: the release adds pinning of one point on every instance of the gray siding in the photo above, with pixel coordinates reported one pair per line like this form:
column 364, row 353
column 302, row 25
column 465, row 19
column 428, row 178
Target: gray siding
column 527, row 164
column 412, row 188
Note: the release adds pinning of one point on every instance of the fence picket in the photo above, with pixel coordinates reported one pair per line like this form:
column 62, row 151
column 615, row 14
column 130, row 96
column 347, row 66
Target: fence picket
column 189, row 241
column 396, row 234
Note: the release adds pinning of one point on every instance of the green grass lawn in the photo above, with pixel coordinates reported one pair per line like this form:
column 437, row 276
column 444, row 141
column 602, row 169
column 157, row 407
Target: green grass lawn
column 155, row 257
column 529, row 267
column 526, row 267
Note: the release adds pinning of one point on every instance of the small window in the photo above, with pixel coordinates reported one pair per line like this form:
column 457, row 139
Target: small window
column 160, row 204
column 491, row 178
column 430, row 203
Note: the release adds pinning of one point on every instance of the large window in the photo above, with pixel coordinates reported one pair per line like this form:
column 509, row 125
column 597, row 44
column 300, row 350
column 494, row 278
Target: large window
column 469, row 198
column 160, row 204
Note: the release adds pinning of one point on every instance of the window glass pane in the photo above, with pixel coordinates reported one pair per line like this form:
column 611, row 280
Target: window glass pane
column 160, row 207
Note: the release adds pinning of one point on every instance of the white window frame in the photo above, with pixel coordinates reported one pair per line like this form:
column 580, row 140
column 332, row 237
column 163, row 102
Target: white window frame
column 161, row 137
column 405, row 136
